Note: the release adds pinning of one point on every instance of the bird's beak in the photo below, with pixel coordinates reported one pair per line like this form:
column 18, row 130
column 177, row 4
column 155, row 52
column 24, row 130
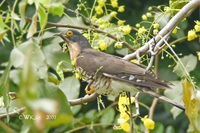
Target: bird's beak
column 57, row 34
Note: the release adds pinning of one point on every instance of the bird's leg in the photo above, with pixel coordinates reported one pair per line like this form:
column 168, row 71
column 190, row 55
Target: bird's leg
column 89, row 89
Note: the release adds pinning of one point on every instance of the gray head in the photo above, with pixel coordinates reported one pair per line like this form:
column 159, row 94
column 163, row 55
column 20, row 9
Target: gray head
column 73, row 36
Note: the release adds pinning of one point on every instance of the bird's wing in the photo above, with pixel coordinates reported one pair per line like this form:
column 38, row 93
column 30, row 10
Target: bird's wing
column 117, row 68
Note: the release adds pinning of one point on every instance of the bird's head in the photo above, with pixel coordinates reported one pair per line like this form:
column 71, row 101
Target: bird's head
column 72, row 36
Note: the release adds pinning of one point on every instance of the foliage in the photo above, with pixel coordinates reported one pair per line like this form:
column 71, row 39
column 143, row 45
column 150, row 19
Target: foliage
column 38, row 82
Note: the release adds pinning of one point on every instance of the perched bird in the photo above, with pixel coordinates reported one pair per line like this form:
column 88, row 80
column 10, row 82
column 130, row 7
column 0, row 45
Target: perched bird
column 109, row 74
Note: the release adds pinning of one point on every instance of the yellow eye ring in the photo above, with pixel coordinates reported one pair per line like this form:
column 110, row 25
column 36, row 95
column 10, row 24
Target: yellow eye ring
column 69, row 33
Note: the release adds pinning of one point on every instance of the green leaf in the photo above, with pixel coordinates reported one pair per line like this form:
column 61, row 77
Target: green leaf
column 22, row 10
column 33, row 27
column 162, row 18
column 54, row 54
column 4, row 85
column 76, row 109
column 57, row 9
column 47, row 105
column 38, row 63
column 17, row 58
column 170, row 129
column 2, row 25
column 175, row 94
column 191, row 105
column 189, row 62
column 70, row 87
column 43, row 17
column 60, row 120
column 2, row 33
column 159, row 128
column 108, row 116
column 44, row 2
column 28, row 78
column 50, row 90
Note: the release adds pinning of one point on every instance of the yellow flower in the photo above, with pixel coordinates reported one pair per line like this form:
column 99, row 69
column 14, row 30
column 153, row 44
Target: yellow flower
column 125, row 100
column 144, row 17
column 102, row 45
column 121, row 9
column 121, row 22
column 198, row 54
column 113, row 14
column 174, row 31
column 101, row 2
column 99, row 10
column 118, row 45
column 100, row 21
column 191, row 35
column 150, row 8
column 155, row 26
column 124, row 115
column 137, row 25
column 141, row 31
column 94, row 18
column 96, row 35
column 102, row 27
column 134, row 60
column 127, row 29
column 197, row 22
column 86, row 35
column 148, row 123
column 197, row 28
column 124, row 124
column 114, row 3
column 149, row 14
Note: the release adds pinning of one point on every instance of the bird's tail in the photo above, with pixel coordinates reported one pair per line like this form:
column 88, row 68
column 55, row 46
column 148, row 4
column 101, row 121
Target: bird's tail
column 159, row 96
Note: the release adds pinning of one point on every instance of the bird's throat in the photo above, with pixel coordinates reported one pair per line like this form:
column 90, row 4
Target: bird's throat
column 74, row 50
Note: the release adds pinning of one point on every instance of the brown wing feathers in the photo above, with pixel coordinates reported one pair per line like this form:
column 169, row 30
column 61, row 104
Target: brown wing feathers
column 119, row 69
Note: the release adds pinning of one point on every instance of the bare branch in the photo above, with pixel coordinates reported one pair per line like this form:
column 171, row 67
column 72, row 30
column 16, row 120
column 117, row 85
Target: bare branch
column 83, row 99
column 13, row 113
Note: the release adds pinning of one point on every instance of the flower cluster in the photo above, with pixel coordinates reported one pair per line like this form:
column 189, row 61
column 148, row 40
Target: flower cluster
column 102, row 45
column 192, row 33
column 124, row 112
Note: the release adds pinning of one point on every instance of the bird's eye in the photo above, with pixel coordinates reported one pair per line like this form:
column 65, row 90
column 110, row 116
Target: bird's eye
column 69, row 33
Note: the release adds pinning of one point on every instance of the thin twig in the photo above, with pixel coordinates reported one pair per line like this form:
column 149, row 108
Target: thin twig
column 2, row 3
column 155, row 100
column 137, row 107
column 83, row 124
column 90, row 22
column 82, row 127
column 13, row 113
column 179, row 61
column 131, row 112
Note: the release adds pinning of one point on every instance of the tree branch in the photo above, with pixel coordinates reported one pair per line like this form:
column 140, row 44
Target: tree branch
column 183, row 13
column 83, row 99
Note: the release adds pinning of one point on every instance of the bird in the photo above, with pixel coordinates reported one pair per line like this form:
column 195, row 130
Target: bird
column 109, row 74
